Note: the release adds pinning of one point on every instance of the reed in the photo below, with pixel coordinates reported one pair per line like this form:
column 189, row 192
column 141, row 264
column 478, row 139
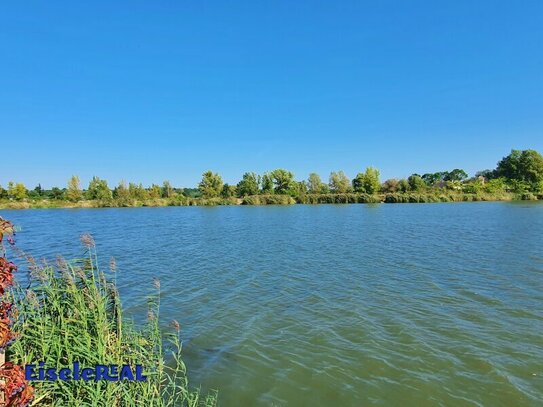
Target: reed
column 69, row 312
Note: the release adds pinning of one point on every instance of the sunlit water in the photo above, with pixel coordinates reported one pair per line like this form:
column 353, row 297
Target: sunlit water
column 406, row 304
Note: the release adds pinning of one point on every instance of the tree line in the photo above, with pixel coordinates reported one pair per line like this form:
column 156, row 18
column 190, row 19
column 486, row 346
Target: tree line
column 518, row 172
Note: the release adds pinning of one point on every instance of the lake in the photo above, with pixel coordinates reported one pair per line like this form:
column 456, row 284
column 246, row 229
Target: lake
column 346, row 305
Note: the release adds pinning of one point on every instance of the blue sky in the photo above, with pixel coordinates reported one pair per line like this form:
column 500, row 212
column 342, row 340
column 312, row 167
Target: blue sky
column 147, row 91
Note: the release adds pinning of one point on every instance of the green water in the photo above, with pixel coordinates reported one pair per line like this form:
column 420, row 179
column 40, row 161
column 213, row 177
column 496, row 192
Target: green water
column 407, row 304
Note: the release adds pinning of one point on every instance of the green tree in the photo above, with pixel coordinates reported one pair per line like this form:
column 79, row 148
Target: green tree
column 167, row 190
column 391, row 186
column 283, row 181
column 416, row 183
column 137, row 191
column 368, row 182
column 38, row 190
column 228, row 191
column 486, row 174
column 267, row 183
column 495, row 185
column 403, row 185
column 299, row 189
column 155, row 191
column 456, row 175
column 249, row 184
column 98, row 189
column 339, row 182
column 17, row 191
column 121, row 193
column 525, row 166
column 73, row 191
column 315, row 184
column 210, row 185
column 431, row 179
column 3, row 193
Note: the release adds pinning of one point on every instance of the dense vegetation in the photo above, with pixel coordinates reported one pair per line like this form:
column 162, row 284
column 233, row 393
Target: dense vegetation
column 517, row 176
column 70, row 312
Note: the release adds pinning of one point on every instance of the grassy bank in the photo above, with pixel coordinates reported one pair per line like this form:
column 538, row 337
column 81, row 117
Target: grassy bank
column 71, row 312
column 277, row 199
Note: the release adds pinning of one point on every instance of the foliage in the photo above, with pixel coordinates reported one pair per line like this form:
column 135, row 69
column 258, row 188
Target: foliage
column 15, row 390
column 249, row 184
column 519, row 173
column 167, row 190
column 455, row 175
column 525, row 166
column 98, row 189
column 391, row 185
column 16, row 191
column 416, row 183
column 283, row 181
column 72, row 312
column 211, row 184
column 267, row 183
column 228, row 191
column 339, row 183
column 367, row 182
column 73, row 191
column 315, row 184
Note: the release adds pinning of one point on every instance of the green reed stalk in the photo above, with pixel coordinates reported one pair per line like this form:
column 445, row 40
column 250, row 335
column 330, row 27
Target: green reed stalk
column 71, row 312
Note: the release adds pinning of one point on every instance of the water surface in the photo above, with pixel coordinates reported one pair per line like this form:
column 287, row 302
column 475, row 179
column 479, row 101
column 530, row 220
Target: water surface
column 346, row 305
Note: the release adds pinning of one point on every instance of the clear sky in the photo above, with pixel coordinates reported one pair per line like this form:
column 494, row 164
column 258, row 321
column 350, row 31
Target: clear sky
column 147, row 91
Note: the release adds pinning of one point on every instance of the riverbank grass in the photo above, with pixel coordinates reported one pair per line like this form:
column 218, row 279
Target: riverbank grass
column 71, row 312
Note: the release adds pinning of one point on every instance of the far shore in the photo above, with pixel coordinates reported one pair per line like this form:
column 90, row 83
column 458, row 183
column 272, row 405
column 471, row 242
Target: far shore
column 272, row 199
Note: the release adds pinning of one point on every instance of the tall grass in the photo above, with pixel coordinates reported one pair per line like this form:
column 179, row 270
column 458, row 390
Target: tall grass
column 70, row 312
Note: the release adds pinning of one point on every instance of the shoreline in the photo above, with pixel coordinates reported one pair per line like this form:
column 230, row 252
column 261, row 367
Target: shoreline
column 261, row 200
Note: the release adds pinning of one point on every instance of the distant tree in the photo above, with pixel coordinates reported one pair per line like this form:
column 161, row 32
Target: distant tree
column 299, row 189
column 372, row 185
column 98, row 189
column 391, row 186
column 56, row 193
column 367, row 182
column 416, row 183
column 315, row 184
column 455, row 175
column 3, row 193
column 486, row 174
column 403, row 185
column 38, row 190
column 192, row 192
column 249, row 184
column 267, row 183
column 210, row 185
column 17, row 191
column 339, row 183
column 495, row 185
column 121, row 193
column 155, row 191
column 431, row 179
column 167, row 190
column 137, row 191
column 228, row 191
column 517, row 186
column 73, row 191
column 283, row 181
column 526, row 166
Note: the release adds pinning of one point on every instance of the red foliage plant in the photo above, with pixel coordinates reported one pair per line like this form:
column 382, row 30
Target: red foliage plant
column 14, row 388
